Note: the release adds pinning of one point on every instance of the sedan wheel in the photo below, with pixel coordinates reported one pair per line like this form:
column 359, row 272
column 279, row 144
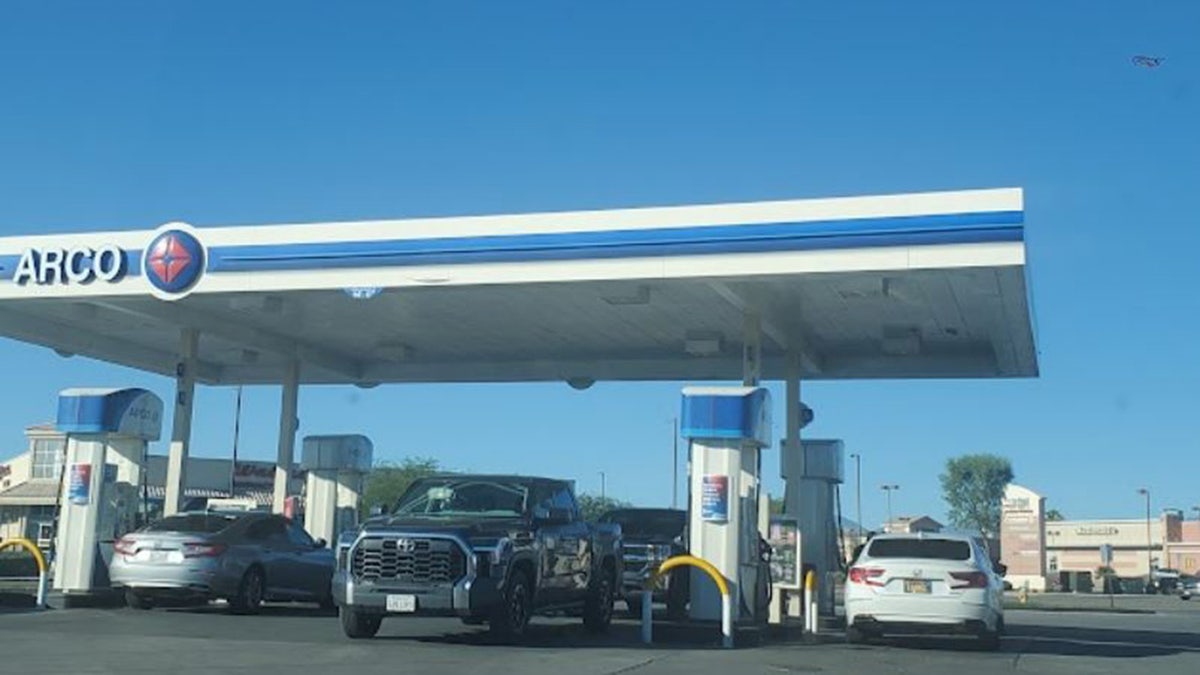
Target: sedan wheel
column 251, row 591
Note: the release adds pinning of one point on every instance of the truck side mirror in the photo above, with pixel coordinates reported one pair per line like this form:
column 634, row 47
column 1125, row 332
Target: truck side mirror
column 376, row 510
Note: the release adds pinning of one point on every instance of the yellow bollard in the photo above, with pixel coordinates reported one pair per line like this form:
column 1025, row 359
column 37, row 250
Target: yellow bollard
column 41, row 565
column 717, row 577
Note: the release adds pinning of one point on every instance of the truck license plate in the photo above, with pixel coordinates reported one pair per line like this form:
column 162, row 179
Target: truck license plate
column 402, row 603
column 916, row 586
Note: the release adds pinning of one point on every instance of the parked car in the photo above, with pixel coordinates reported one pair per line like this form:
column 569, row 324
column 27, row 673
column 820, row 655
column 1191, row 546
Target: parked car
column 649, row 537
column 488, row 549
column 1188, row 587
column 244, row 557
column 924, row 583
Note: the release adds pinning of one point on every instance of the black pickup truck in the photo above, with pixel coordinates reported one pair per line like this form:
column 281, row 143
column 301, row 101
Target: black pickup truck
column 488, row 549
column 649, row 537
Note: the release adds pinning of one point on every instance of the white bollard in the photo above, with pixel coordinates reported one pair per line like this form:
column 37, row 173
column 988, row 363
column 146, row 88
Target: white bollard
column 647, row 616
column 726, row 621
column 810, row 603
column 43, row 582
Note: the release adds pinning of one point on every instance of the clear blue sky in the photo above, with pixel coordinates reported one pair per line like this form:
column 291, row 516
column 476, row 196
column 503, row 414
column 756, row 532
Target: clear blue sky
column 127, row 115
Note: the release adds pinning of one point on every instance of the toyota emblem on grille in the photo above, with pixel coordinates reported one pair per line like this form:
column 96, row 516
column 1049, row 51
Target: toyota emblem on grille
column 406, row 545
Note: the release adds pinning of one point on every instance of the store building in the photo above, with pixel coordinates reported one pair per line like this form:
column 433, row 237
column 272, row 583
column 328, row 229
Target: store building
column 1069, row 554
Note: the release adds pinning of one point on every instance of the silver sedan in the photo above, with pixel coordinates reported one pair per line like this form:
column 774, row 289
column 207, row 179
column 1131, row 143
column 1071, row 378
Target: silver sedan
column 244, row 557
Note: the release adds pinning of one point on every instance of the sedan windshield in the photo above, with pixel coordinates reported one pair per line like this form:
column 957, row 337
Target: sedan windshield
column 443, row 497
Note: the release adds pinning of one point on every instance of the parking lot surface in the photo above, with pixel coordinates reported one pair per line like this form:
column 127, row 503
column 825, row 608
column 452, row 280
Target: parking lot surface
column 298, row 639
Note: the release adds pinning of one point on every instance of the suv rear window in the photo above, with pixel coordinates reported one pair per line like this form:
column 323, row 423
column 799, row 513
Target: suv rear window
column 200, row 523
column 924, row 549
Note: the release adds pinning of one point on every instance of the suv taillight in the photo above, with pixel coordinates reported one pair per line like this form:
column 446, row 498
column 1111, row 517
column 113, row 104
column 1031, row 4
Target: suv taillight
column 202, row 550
column 125, row 546
column 866, row 575
column 969, row 580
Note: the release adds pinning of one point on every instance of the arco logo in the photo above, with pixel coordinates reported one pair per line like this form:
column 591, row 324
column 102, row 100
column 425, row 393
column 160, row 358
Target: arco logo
column 174, row 261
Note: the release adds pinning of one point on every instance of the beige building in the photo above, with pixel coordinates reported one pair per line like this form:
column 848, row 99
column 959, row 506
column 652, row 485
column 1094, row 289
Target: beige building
column 909, row 524
column 1043, row 554
column 1137, row 545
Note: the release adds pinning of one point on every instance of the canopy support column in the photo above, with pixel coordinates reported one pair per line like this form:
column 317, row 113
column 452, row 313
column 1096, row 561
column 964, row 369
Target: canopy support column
column 288, row 424
column 181, row 421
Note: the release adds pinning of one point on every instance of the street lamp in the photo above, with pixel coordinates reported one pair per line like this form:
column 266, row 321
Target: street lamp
column 858, row 492
column 1149, row 561
column 674, row 462
column 601, row 486
column 889, row 488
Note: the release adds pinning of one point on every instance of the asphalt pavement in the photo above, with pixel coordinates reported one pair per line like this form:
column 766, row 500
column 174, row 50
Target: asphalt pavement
column 286, row 638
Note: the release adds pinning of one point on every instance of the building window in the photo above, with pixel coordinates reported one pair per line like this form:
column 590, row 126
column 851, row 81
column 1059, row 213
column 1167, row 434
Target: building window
column 48, row 457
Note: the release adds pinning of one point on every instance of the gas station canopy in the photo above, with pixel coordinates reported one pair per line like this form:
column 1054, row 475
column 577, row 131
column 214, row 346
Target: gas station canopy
column 898, row 286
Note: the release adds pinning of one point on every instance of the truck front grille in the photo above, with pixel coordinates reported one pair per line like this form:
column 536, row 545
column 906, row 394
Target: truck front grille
column 639, row 558
column 409, row 560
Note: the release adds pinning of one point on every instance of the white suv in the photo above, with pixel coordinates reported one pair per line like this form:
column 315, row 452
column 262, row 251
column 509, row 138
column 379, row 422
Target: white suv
column 925, row 583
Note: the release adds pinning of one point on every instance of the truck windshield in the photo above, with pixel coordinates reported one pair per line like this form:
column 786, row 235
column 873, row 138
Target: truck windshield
column 441, row 497
column 648, row 523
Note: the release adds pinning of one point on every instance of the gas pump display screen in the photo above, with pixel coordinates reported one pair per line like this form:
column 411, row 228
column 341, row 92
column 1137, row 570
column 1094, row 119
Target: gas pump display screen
column 784, row 540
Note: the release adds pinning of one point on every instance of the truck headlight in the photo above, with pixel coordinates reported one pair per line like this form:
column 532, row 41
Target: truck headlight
column 661, row 552
column 502, row 551
column 344, row 542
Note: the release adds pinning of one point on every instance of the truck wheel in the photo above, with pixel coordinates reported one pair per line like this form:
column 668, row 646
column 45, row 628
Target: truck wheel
column 598, row 608
column 358, row 625
column 677, row 594
column 137, row 600
column 634, row 604
column 510, row 618
column 250, row 592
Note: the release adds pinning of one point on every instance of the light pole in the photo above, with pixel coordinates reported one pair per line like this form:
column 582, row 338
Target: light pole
column 601, row 486
column 674, row 462
column 889, row 488
column 858, row 493
column 1149, row 561
column 237, row 432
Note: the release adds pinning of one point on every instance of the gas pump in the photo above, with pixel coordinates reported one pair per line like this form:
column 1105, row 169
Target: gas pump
column 726, row 429
column 337, row 467
column 107, row 431
column 811, row 477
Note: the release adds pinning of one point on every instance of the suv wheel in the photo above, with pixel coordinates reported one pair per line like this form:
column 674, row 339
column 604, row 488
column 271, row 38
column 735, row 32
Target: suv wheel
column 358, row 625
column 137, row 600
column 511, row 616
column 598, row 609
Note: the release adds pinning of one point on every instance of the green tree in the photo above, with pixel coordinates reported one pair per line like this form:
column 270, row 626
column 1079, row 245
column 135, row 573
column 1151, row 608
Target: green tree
column 388, row 480
column 776, row 506
column 594, row 506
column 1054, row 514
column 973, row 487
